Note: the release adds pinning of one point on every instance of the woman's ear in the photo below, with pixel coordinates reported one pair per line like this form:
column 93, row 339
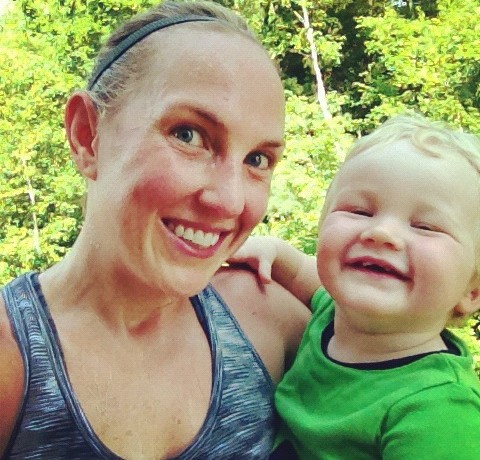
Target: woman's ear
column 81, row 119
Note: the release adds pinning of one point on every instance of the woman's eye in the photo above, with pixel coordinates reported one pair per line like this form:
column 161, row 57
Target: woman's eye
column 188, row 135
column 258, row 160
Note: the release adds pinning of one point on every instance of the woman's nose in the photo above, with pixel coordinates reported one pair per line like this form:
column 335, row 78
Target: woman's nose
column 383, row 233
column 225, row 191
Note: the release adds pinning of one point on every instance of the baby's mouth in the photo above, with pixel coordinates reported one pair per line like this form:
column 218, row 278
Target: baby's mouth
column 378, row 267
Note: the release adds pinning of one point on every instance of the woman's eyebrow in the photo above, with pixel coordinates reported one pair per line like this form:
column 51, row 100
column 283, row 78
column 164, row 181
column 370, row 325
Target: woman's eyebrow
column 201, row 112
column 273, row 144
column 213, row 119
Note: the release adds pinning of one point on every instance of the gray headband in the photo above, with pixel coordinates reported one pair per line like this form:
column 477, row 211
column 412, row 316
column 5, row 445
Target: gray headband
column 137, row 36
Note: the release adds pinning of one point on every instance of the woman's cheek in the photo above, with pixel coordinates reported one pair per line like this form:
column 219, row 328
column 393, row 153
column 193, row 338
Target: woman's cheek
column 256, row 204
column 159, row 191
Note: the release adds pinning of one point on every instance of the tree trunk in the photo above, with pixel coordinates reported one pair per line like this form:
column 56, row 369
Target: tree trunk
column 321, row 94
column 31, row 196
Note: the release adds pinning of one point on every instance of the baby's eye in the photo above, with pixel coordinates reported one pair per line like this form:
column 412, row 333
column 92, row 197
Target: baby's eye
column 423, row 227
column 426, row 227
column 258, row 160
column 188, row 135
column 361, row 212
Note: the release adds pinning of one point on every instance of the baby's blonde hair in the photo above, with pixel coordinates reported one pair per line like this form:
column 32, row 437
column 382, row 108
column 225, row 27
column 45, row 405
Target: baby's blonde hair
column 430, row 137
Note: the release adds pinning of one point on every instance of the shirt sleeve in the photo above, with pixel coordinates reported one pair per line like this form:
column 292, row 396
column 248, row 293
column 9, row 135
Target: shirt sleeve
column 321, row 300
column 442, row 422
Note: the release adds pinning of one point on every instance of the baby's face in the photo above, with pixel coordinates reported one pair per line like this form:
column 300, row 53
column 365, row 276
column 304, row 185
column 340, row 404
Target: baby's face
column 397, row 247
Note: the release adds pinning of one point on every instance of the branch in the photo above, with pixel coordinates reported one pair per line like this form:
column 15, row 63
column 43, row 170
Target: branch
column 31, row 195
column 321, row 94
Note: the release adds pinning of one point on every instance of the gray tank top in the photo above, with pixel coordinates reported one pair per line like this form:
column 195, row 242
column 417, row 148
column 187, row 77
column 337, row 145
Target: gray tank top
column 51, row 425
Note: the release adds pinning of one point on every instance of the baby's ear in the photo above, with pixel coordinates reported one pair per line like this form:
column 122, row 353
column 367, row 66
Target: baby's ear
column 469, row 304
column 81, row 126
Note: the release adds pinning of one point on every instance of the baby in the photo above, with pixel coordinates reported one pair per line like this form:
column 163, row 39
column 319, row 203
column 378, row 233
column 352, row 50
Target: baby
column 377, row 375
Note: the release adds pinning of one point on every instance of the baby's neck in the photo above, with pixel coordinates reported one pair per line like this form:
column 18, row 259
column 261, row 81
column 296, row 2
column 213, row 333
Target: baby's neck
column 353, row 346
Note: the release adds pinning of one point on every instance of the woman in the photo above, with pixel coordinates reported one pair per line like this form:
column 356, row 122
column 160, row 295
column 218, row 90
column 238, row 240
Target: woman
column 111, row 353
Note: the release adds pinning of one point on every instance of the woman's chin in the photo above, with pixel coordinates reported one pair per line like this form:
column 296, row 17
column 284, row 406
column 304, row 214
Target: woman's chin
column 183, row 283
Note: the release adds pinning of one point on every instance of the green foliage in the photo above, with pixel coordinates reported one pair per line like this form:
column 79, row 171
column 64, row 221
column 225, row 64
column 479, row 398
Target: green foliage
column 427, row 63
column 376, row 60
column 46, row 51
column 315, row 147
column 471, row 338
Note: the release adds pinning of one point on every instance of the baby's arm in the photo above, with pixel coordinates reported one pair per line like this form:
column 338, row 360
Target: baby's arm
column 275, row 259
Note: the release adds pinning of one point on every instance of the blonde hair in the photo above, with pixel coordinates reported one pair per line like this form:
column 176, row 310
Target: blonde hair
column 432, row 138
column 113, row 81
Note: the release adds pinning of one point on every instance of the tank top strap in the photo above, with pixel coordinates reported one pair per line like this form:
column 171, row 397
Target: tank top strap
column 50, row 423
column 241, row 419
column 225, row 329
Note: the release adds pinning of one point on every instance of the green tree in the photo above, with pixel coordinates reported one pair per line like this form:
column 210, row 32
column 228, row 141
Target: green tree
column 46, row 51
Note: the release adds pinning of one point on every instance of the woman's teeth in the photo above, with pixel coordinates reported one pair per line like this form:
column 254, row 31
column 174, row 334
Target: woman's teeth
column 195, row 236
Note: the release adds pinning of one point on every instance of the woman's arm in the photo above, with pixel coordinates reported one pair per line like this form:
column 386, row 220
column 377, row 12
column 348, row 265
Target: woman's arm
column 11, row 379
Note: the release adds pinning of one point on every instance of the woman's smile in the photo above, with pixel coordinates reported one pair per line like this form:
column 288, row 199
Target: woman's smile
column 197, row 237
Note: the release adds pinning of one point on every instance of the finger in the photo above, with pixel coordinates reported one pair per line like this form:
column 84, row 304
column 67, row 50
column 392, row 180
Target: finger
column 265, row 272
column 237, row 256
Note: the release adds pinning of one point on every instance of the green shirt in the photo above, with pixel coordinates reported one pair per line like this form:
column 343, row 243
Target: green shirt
column 423, row 407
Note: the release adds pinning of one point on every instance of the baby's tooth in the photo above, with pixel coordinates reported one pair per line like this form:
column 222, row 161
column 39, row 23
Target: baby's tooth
column 179, row 230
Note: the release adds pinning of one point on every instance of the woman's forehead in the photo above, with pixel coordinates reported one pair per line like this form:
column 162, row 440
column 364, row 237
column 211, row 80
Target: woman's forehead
column 191, row 56
column 206, row 41
column 217, row 72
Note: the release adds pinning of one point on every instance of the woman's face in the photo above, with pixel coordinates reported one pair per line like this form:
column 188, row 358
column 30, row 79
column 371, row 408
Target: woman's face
column 185, row 161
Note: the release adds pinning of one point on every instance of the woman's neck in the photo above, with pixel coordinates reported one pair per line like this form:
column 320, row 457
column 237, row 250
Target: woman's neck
column 88, row 280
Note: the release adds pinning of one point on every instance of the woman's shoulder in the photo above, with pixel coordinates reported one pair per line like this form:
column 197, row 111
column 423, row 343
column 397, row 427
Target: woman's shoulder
column 11, row 378
column 241, row 287
column 272, row 318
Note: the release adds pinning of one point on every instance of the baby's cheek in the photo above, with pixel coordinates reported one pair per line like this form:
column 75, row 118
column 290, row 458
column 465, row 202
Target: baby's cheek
column 329, row 251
